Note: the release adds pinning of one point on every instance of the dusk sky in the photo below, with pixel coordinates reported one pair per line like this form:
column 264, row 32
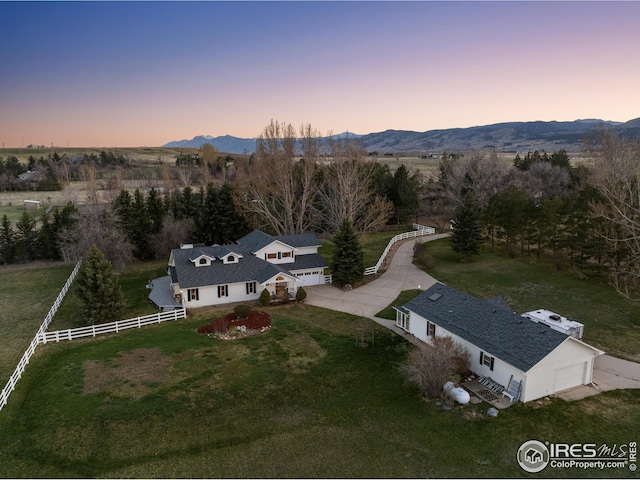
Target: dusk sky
column 117, row 74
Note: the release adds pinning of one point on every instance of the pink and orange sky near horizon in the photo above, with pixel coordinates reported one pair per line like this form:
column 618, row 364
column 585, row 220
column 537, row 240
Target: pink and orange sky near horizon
column 125, row 74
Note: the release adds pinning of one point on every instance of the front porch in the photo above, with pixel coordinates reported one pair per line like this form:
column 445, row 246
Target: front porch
column 162, row 294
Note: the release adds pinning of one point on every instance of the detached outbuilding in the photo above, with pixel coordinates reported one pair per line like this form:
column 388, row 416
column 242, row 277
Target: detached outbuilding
column 32, row 204
column 527, row 359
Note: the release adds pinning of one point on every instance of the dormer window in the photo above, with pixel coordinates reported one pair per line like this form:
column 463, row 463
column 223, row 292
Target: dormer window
column 231, row 259
column 202, row 261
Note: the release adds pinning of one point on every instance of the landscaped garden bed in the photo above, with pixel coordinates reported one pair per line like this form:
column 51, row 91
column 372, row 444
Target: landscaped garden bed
column 231, row 327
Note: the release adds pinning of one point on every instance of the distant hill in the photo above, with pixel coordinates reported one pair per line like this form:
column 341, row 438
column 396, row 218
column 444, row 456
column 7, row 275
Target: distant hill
column 226, row 143
column 506, row 137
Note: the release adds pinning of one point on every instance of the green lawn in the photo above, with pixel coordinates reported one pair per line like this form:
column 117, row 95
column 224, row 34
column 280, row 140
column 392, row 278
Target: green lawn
column 26, row 295
column 526, row 283
column 301, row 400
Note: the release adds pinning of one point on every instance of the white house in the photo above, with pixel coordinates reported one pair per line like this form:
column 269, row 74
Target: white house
column 528, row 359
column 219, row 274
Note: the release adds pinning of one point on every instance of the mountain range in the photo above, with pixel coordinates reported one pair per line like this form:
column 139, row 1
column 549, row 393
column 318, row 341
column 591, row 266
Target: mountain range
column 504, row 137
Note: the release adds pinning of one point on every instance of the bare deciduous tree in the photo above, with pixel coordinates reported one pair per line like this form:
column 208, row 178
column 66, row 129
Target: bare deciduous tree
column 484, row 175
column 275, row 189
column 97, row 225
column 348, row 190
column 429, row 367
column 616, row 175
column 174, row 232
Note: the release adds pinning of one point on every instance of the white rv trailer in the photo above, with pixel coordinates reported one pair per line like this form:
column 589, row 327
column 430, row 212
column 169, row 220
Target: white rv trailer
column 556, row 322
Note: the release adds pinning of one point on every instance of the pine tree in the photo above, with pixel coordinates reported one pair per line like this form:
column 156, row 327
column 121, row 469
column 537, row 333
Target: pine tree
column 348, row 257
column 27, row 239
column 467, row 235
column 7, row 242
column 98, row 289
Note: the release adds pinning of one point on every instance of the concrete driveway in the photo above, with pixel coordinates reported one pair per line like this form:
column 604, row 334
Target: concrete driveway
column 369, row 299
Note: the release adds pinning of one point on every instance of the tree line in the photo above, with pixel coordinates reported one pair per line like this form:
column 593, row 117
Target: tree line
column 584, row 217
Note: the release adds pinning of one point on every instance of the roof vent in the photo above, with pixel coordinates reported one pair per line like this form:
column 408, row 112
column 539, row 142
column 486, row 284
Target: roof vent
column 435, row 297
column 555, row 317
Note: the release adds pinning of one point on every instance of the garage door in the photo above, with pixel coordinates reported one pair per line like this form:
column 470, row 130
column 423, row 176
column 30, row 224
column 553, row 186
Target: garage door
column 570, row 376
column 310, row 278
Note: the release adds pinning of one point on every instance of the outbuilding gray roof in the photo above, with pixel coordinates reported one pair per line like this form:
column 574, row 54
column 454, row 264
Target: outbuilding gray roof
column 487, row 325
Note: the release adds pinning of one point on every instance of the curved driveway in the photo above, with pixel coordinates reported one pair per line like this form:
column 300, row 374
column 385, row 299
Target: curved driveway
column 377, row 295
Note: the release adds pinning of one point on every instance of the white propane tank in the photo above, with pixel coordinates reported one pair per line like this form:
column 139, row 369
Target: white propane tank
column 459, row 394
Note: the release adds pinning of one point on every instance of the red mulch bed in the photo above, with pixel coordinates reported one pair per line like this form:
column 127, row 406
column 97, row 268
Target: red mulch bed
column 255, row 321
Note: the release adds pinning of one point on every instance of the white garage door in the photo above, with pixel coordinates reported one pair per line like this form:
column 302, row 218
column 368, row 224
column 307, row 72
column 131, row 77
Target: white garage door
column 570, row 376
column 310, row 278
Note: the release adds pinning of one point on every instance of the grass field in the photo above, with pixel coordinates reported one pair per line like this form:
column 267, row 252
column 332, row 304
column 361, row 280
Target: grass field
column 26, row 295
column 301, row 400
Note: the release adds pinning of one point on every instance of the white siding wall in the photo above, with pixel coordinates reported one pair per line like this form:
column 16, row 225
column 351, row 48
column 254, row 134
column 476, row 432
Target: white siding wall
column 275, row 248
column 209, row 295
column 569, row 365
column 501, row 372
column 306, row 250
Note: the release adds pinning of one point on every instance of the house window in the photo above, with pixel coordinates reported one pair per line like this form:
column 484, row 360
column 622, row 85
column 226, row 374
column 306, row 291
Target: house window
column 223, row 291
column 286, row 254
column 202, row 261
column 193, row 294
column 431, row 329
column 487, row 360
column 272, row 256
column 231, row 259
column 251, row 288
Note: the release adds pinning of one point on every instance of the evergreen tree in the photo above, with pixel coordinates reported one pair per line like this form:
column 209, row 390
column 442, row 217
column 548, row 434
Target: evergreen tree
column 140, row 231
column 98, row 289
column 231, row 224
column 155, row 211
column 27, row 238
column 348, row 257
column 467, row 235
column 47, row 240
column 405, row 194
column 7, row 242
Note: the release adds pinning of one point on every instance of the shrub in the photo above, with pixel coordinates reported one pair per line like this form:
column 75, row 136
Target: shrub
column 242, row 311
column 301, row 294
column 265, row 298
column 429, row 367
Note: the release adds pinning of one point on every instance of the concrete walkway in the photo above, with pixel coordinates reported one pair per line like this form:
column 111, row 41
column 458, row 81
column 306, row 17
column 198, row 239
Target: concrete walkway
column 609, row 373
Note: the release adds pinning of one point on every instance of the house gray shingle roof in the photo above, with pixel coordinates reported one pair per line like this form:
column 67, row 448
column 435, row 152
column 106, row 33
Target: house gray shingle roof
column 257, row 240
column 503, row 334
column 248, row 269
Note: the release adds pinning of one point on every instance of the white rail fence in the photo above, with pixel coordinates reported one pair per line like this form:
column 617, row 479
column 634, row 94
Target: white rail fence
column 113, row 327
column 419, row 231
column 43, row 336
column 24, row 361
